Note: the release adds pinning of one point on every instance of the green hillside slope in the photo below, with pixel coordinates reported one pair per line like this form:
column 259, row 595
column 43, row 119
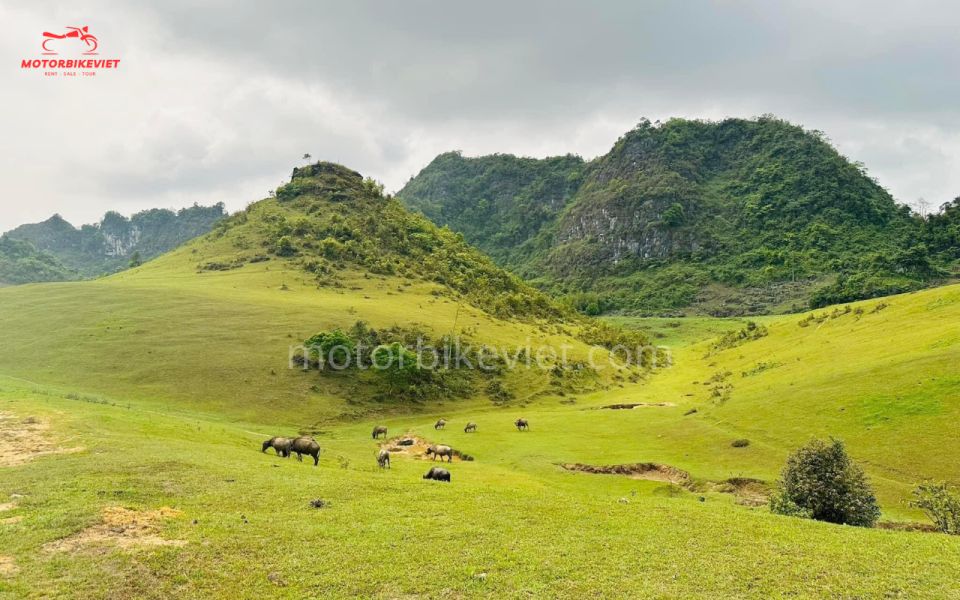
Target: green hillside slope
column 731, row 217
column 133, row 409
column 328, row 253
column 156, row 446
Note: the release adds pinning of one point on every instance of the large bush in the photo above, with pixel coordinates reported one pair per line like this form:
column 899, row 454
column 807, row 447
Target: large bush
column 821, row 481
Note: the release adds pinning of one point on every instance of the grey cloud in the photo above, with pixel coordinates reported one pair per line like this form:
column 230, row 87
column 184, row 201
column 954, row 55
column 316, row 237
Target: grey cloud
column 217, row 100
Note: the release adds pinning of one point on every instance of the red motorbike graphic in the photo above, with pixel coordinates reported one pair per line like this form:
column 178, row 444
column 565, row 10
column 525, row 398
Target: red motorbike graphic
column 82, row 33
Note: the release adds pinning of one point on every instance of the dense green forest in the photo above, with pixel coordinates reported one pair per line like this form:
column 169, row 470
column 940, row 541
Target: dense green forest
column 114, row 242
column 742, row 216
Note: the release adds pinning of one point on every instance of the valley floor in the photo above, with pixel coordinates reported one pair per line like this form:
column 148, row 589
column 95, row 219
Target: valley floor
column 113, row 499
column 132, row 414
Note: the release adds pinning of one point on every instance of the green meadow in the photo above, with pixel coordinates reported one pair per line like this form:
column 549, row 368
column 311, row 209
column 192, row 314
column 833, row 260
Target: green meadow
column 157, row 386
column 133, row 409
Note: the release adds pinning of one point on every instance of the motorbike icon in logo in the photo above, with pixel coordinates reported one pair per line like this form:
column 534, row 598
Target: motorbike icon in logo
column 81, row 33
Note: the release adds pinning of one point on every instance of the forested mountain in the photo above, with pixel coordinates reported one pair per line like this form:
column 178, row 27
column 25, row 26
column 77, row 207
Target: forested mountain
column 115, row 241
column 737, row 216
column 20, row 262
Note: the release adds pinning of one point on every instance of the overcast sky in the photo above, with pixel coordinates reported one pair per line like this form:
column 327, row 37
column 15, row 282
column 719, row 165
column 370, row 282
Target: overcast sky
column 218, row 102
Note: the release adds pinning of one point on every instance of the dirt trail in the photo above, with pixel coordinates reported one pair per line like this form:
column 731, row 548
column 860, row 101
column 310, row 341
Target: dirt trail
column 122, row 527
column 23, row 439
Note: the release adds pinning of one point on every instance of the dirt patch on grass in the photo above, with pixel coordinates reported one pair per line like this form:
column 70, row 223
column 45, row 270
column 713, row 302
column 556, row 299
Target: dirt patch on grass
column 8, row 567
column 23, row 439
column 908, row 526
column 416, row 447
column 121, row 527
column 648, row 471
column 633, row 405
column 749, row 492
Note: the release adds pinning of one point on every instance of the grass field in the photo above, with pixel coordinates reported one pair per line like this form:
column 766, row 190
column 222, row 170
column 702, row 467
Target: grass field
column 511, row 523
column 152, row 390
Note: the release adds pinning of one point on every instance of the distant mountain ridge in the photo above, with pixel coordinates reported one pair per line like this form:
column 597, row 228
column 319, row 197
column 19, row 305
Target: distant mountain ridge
column 109, row 245
column 741, row 216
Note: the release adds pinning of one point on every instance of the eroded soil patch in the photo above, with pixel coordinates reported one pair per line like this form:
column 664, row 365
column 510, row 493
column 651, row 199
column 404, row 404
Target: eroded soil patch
column 121, row 527
column 749, row 492
column 633, row 405
column 416, row 447
column 22, row 439
column 648, row 471
column 908, row 526
column 8, row 567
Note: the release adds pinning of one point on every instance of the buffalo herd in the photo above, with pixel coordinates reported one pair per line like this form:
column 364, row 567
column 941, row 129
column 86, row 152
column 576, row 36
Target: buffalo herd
column 305, row 444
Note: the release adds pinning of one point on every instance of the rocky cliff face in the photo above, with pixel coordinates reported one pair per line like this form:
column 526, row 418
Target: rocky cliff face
column 107, row 246
column 676, row 207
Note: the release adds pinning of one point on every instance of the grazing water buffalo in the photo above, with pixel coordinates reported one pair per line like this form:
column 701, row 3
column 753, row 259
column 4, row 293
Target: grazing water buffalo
column 383, row 459
column 440, row 424
column 280, row 444
column 380, row 430
column 440, row 451
column 470, row 427
column 521, row 424
column 306, row 445
column 438, row 474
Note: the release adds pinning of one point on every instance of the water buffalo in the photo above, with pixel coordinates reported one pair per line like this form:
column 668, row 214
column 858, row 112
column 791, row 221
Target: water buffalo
column 383, row 459
column 440, row 451
column 438, row 474
column 440, row 424
column 306, row 445
column 521, row 424
column 380, row 430
column 280, row 444
column 470, row 427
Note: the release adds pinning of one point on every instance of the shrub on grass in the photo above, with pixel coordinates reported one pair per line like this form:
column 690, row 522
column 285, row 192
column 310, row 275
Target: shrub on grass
column 285, row 247
column 334, row 348
column 740, row 443
column 822, row 482
column 941, row 504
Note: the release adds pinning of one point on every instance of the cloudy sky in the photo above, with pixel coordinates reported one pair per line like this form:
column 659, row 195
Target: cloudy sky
column 218, row 102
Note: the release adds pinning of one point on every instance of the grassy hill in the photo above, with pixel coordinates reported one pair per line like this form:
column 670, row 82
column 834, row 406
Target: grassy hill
column 328, row 253
column 723, row 218
column 145, row 397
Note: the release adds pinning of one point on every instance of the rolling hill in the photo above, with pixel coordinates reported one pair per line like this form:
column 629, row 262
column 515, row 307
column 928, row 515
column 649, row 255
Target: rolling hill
column 723, row 218
column 329, row 253
column 145, row 397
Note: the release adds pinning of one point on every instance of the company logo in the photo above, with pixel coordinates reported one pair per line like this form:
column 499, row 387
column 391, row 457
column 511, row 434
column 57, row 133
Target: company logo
column 78, row 33
column 77, row 42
